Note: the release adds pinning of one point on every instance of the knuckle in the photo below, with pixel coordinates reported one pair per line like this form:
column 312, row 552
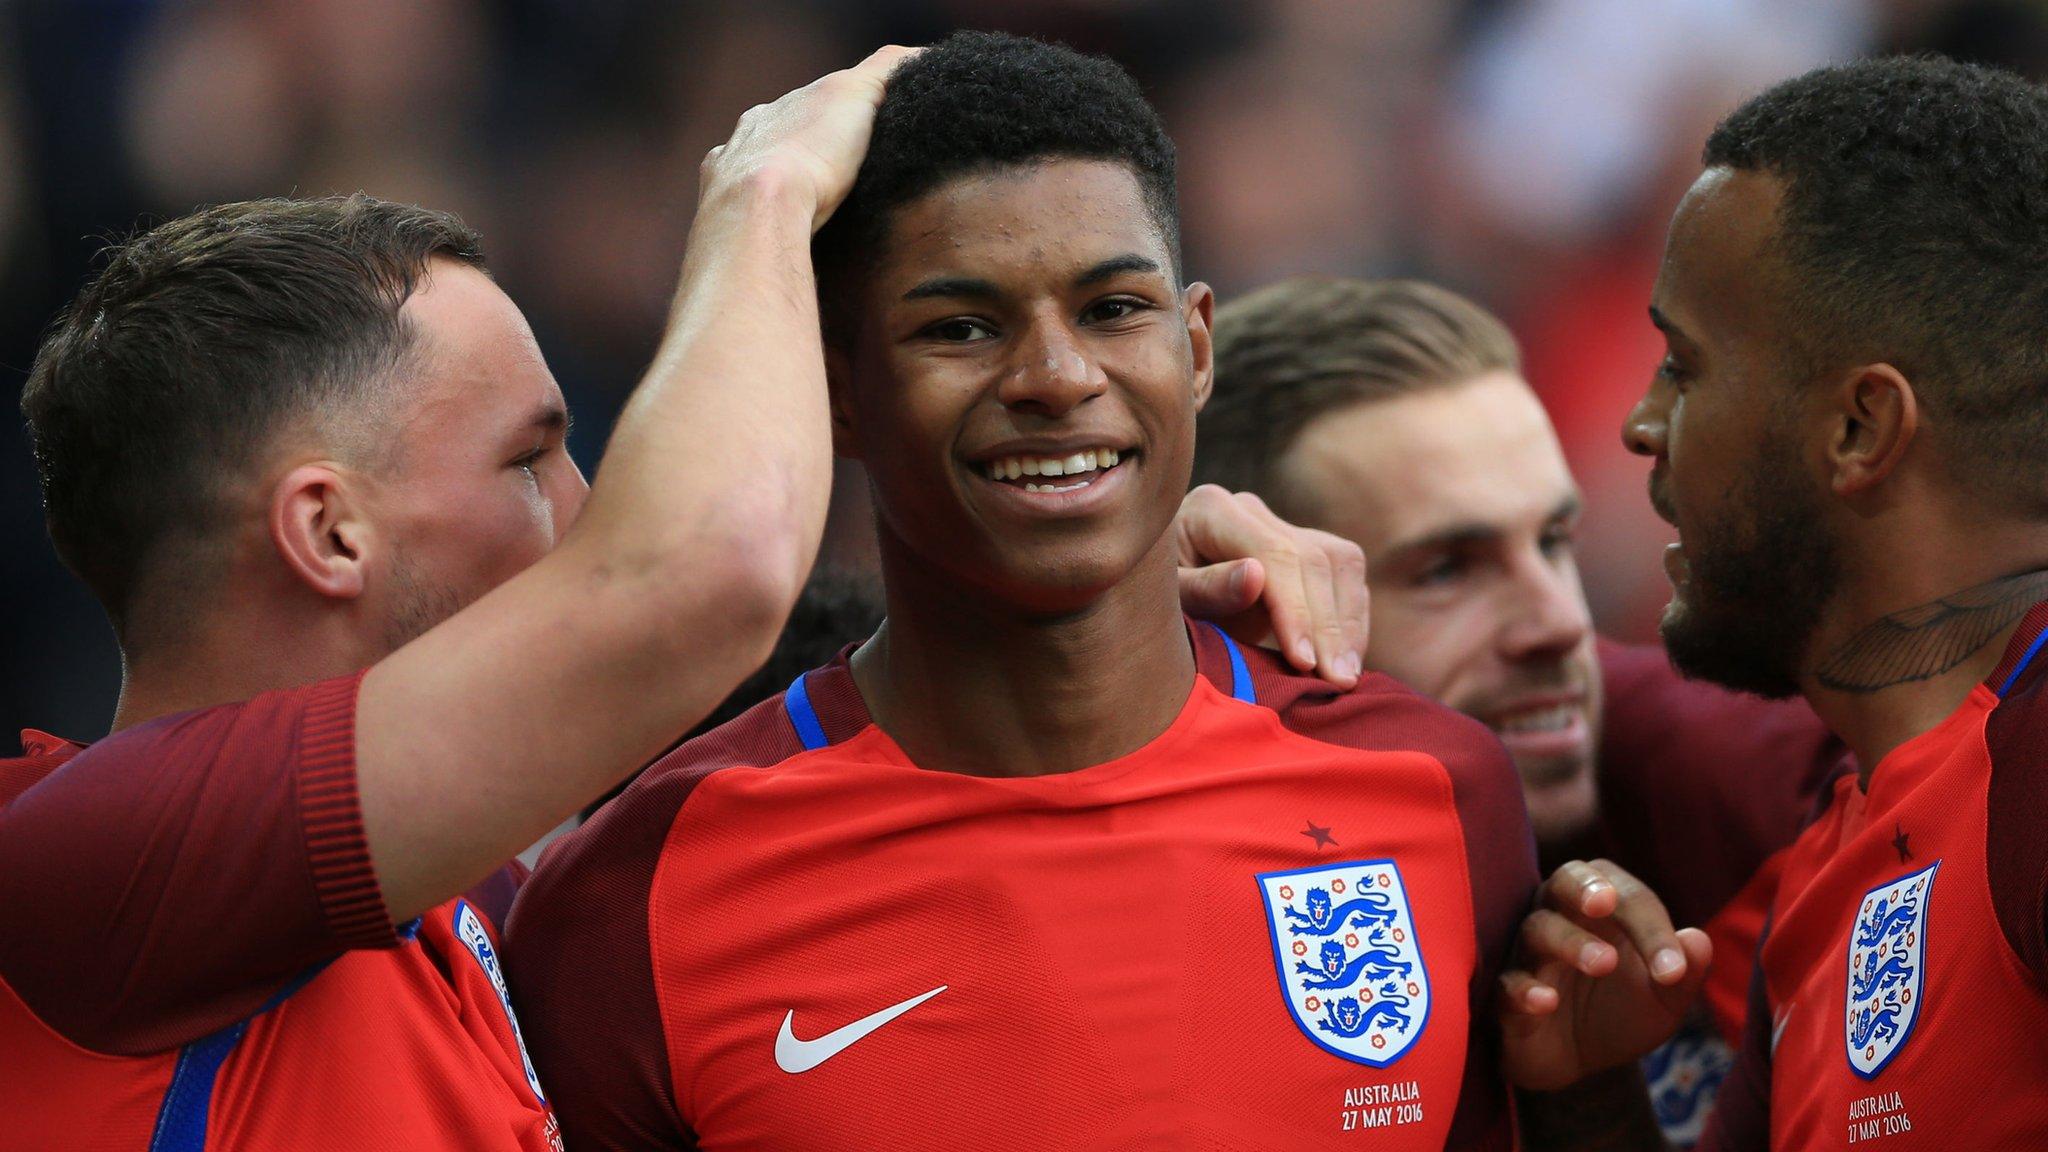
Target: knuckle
column 1545, row 930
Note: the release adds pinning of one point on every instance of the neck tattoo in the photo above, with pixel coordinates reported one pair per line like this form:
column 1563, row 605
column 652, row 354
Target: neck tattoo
column 1925, row 641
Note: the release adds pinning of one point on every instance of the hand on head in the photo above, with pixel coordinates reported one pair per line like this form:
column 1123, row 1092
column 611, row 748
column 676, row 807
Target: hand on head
column 812, row 140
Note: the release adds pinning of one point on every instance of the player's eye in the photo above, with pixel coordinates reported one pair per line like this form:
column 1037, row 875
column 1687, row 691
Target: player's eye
column 1557, row 540
column 1112, row 310
column 959, row 330
column 530, row 462
column 1442, row 572
column 1669, row 372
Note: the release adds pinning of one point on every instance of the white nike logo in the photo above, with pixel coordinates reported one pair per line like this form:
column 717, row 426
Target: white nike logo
column 793, row 1055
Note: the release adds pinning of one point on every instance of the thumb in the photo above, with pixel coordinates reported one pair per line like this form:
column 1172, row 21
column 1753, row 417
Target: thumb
column 1214, row 591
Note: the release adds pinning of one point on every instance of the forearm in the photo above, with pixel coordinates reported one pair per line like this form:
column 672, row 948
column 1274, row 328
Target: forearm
column 488, row 730
column 727, row 441
column 1606, row 1112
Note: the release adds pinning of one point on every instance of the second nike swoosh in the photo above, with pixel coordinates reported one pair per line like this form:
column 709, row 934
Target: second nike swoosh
column 793, row 1055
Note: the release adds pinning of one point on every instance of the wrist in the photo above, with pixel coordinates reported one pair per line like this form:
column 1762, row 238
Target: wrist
column 763, row 192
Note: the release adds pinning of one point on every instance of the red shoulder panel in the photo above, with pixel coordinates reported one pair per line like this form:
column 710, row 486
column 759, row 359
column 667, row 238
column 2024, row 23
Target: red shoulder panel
column 164, row 882
column 578, row 945
column 2015, row 851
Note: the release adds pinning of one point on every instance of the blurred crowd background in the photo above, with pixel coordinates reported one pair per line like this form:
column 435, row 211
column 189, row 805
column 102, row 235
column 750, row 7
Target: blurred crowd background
column 1527, row 152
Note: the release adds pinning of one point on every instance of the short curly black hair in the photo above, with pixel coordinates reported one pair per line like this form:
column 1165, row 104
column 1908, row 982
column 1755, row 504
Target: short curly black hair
column 1915, row 226
column 982, row 100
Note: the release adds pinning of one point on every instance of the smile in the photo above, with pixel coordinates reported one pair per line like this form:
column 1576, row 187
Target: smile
column 1541, row 720
column 1075, row 471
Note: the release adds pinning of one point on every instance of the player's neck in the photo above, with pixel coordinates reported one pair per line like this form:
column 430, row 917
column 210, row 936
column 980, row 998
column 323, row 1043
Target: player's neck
column 1901, row 647
column 224, row 662
column 966, row 684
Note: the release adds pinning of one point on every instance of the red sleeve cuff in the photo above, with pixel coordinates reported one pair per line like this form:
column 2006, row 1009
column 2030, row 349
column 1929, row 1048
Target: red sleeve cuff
column 331, row 818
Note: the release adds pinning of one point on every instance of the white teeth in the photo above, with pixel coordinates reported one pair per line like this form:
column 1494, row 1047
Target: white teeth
column 1011, row 467
column 1543, row 720
column 1057, row 487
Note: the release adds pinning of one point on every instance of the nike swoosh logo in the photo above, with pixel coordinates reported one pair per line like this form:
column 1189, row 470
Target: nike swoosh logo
column 793, row 1055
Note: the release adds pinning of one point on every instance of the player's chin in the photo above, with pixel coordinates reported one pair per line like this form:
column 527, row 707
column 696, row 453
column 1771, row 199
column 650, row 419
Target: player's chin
column 1051, row 570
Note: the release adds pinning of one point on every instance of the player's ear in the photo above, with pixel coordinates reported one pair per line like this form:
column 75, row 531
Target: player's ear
column 839, row 394
column 1873, row 417
column 1198, row 307
column 318, row 530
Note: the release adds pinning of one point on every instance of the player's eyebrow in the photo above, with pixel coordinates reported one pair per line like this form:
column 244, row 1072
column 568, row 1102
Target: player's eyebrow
column 1116, row 266
column 962, row 287
column 1454, row 536
column 552, row 417
column 1466, row 535
column 1666, row 324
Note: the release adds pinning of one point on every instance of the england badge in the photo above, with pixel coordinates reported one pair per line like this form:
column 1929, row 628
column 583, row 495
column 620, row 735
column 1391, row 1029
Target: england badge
column 1349, row 964
column 1887, row 970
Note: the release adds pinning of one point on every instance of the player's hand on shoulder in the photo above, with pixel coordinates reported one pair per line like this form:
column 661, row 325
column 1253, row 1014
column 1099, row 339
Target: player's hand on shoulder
column 810, row 142
column 1266, row 581
column 1600, row 978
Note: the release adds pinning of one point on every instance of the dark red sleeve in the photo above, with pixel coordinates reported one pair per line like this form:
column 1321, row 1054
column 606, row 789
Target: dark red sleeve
column 1741, row 1120
column 1500, row 850
column 493, row 895
column 167, row 880
column 1699, row 785
column 2016, row 850
column 579, row 958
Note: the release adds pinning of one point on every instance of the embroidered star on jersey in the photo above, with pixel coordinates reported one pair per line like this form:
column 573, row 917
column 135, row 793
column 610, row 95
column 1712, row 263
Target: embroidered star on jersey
column 1899, row 842
column 1321, row 836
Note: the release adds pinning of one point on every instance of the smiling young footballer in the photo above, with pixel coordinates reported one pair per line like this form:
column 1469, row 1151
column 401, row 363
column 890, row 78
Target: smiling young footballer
column 1041, row 865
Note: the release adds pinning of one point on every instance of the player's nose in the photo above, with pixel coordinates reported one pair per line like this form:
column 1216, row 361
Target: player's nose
column 1052, row 373
column 574, row 490
column 1551, row 617
column 1646, row 428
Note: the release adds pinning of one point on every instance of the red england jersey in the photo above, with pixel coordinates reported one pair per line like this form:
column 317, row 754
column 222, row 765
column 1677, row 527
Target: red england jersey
column 194, row 954
column 1701, row 791
column 1700, row 788
column 1903, row 990
column 1277, row 925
